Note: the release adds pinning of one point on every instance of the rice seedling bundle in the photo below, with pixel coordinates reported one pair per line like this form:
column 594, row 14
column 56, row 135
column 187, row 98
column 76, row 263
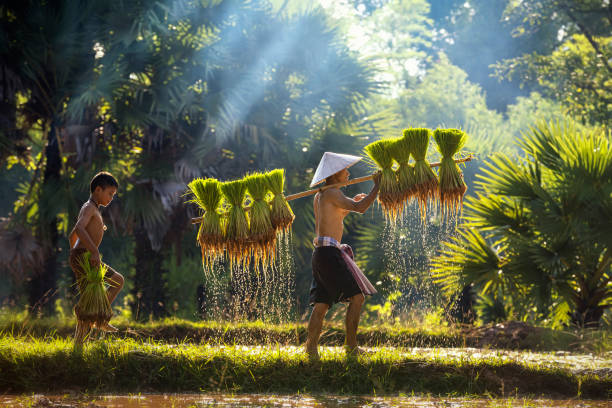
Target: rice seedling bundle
column 452, row 187
column 237, row 224
column 207, row 195
column 281, row 214
column 389, row 195
column 400, row 151
column 93, row 306
column 425, row 180
column 261, row 233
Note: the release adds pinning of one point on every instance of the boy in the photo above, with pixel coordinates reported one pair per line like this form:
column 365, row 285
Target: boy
column 336, row 277
column 87, row 235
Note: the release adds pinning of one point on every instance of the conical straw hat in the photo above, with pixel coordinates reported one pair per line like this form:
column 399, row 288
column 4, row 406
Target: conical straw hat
column 330, row 164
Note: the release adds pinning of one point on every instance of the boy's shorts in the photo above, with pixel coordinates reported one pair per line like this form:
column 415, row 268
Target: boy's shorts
column 74, row 261
column 332, row 281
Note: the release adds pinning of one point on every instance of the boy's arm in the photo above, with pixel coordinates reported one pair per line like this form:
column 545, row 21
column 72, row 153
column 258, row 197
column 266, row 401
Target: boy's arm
column 72, row 238
column 81, row 232
column 350, row 204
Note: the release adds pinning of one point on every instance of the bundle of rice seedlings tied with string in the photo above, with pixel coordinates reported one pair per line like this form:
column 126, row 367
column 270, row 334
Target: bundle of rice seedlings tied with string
column 389, row 195
column 93, row 306
column 400, row 152
column 452, row 187
column 281, row 214
column 261, row 233
column 425, row 180
column 207, row 195
column 238, row 247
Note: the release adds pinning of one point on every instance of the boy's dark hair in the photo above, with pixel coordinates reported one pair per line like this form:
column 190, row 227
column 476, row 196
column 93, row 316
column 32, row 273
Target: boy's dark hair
column 103, row 179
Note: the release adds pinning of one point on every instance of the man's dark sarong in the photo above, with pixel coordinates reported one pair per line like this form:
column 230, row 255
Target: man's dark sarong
column 332, row 281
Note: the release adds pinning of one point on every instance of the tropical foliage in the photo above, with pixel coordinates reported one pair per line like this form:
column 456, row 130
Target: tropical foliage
column 161, row 93
column 538, row 229
column 577, row 71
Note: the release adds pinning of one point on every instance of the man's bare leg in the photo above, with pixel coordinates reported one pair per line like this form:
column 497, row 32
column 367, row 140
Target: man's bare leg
column 314, row 328
column 115, row 282
column 352, row 321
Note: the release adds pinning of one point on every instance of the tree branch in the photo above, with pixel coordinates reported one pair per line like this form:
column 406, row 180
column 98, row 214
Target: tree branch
column 588, row 35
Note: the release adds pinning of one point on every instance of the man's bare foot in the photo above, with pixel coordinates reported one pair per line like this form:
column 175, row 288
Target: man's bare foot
column 107, row 327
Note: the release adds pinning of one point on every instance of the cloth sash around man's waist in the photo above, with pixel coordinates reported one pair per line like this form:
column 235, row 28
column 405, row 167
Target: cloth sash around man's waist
column 347, row 254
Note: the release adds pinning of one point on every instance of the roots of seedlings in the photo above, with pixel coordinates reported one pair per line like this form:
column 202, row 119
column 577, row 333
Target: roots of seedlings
column 452, row 187
column 426, row 186
column 281, row 214
column 237, row 227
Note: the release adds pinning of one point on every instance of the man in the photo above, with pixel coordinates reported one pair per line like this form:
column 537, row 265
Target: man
column 336, row 278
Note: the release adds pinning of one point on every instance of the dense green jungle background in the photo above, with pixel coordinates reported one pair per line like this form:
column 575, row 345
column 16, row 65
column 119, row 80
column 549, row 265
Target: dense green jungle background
column 161, row 92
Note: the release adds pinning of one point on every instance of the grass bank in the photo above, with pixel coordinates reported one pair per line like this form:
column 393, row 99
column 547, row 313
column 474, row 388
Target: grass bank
column 127, row 365
column 248, row 333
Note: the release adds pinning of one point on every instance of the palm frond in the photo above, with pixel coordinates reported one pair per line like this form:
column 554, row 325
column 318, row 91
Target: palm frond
column 469, row 258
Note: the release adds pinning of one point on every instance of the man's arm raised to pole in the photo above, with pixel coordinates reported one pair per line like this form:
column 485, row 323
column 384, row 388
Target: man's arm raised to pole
column 346, row 203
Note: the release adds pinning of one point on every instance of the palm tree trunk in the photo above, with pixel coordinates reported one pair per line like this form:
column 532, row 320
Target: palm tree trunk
column 588, row 311
column 149, row 283
column 587, row 317
column 44, row 285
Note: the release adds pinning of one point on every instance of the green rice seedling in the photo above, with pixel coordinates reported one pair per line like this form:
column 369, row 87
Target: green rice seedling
column 261, row 234
column 93, row 306
column 281, row 214
column 389, row 196
column 237, row 227
column 207, row 195
column 400, row 151
column 452, row 187
column 426, row 181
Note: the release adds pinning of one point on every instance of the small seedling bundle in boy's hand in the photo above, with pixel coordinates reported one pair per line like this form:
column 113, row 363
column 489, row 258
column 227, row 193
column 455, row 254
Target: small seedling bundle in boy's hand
column 426, row 182
column 207, row 195
column 262, row 235
column 389, row 195
column 93, row 306
column 452, row 186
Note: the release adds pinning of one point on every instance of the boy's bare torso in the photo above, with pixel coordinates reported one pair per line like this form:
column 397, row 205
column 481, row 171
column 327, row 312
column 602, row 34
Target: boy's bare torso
column 91, row 219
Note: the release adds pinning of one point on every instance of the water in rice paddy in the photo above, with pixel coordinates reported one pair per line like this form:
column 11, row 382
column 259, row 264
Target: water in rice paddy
column 296, row 400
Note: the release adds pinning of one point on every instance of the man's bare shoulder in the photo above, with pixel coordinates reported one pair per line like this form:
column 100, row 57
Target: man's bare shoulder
column 333, row 195
column 331, row 192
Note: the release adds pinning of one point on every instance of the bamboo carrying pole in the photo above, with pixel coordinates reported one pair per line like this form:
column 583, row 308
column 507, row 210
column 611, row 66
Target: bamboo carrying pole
column 295, row 196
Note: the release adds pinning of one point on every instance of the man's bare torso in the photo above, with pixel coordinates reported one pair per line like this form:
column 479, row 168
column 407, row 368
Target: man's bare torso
column 329, row 218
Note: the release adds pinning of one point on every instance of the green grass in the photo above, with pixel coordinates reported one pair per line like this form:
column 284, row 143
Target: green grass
column 218, row 332
column 127, row 365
